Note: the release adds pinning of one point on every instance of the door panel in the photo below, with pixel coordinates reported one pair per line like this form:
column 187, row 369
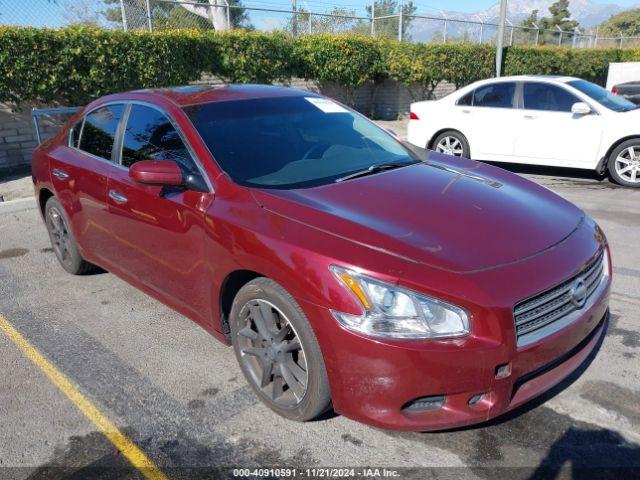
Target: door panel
column 549, row 134
column 490, row 119
column 158, row 231
column 80, row 178
column 558, row 139
column 83, row 195
column 158, row 239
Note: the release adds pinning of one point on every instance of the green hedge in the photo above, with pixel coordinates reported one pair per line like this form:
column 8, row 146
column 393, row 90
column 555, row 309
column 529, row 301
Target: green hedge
column 590, row 64
column 75, row 65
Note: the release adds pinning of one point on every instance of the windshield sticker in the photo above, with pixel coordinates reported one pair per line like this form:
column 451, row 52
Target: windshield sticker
column 326, row 105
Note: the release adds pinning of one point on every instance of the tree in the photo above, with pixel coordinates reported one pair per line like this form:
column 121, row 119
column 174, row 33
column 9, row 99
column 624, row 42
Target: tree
column 388, row 27
column 560, row 18
column 531, row 21
column 306, row 22
column 211, row 13
column 624, row 24
column 84, row 12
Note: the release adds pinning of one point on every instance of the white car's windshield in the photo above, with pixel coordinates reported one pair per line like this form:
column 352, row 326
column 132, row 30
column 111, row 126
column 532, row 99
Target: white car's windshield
column 610, row 100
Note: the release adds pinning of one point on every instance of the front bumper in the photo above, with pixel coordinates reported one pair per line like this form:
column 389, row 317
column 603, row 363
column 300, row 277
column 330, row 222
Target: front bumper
column 373, row 380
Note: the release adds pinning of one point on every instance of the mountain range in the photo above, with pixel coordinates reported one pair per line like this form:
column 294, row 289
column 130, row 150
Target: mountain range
column 587, row 13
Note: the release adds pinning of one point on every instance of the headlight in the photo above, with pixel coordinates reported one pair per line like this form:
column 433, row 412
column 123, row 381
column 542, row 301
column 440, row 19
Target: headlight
column 394, row 312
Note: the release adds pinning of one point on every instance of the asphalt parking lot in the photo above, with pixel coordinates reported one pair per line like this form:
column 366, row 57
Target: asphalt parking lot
column 181, row 399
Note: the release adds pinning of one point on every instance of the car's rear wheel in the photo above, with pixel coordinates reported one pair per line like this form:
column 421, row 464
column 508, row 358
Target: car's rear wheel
column 62, row 241
column 278, row 351
column 624, row 163
column 453, row 143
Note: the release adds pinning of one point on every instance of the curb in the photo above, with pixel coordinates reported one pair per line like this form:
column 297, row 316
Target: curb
column 18, row 205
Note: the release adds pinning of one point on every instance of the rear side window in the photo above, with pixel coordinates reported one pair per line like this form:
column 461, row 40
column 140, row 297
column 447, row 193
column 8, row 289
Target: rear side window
column 467, row 100
column 99, row 131
column 546, row 97
column 149, row 135
column 74, row 135
column 496, row 95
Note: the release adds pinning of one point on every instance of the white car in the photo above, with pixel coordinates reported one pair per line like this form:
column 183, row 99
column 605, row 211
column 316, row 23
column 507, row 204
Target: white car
column 538, row 120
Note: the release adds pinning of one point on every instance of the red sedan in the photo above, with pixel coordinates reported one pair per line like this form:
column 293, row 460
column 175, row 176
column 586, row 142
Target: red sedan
column 404, row 288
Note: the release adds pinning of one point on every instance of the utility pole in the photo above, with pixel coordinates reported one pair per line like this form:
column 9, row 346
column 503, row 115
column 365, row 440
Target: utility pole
column 295, row 19
column 124, row 16
column 373, row 18
column 500, row 46
column 400, row 21
column 149, row 22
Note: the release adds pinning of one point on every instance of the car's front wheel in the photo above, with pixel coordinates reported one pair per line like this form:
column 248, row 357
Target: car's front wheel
column 624, row 163
column 453, row 143
column 278, row 351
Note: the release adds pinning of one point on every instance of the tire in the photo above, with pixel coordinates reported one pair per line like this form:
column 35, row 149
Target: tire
column 276, row 370
column 621, row 158
column 452, row 142
column 62, row 241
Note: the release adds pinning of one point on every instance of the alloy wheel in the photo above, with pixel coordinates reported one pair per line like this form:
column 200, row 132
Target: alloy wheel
column 272, row 353
column 450, row 146
column 627, row 164
column 61, row 239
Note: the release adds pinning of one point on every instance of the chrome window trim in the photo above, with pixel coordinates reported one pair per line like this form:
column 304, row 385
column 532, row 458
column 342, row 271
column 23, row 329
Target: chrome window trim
column 117, row 161
column 174, row 124
column 84, row 118
column 71, row 130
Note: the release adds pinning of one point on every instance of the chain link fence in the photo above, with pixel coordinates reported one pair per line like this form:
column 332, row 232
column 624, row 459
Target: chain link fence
column 300, row 17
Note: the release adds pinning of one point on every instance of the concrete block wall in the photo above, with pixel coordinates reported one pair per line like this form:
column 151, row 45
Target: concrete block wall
column 18, row 138
column 387, row 101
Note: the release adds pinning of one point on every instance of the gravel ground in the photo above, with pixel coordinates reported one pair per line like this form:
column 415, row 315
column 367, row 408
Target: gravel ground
column 178, row 394
column 16, row 186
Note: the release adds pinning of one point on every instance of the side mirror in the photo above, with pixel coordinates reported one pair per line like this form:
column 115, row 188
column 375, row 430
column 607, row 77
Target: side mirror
column 581, row 108
column 156, row 172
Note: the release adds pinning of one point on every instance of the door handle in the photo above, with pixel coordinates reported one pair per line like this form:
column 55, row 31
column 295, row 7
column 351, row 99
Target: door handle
column 117, row 197
column 466, row 111
column 530, row 117
column 60, row 174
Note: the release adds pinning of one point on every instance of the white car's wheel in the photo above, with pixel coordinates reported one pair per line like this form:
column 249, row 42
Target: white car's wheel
column 452, row 143
column 624, row 163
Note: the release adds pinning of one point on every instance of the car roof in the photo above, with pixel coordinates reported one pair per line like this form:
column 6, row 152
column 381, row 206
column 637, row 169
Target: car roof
column 522, row 78
column 198, row 94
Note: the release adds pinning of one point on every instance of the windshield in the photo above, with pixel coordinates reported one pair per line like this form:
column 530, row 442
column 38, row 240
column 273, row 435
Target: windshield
column 292, row 142
column 605, row 97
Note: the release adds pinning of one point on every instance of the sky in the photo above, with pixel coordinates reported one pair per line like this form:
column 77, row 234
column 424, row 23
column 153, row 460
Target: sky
column 51, row 12
column 475, row 5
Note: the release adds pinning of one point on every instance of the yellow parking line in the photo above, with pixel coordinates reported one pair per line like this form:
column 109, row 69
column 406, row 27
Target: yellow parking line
column 129, row 449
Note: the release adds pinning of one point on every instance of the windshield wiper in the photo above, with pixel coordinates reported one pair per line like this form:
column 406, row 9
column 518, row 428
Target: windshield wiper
column 376, row 168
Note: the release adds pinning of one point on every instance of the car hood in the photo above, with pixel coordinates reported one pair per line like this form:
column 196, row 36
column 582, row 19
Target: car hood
column 450, row 213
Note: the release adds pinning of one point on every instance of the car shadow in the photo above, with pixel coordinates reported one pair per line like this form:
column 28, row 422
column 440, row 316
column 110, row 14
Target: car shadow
column 566, row 457
column 562, row 173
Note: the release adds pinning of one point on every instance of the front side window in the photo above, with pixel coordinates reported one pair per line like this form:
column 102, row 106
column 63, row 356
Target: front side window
column 496, row 95
column 547, row 97
column 149, row 135
column 99, row 131
column 293, row 142
column 603, row 96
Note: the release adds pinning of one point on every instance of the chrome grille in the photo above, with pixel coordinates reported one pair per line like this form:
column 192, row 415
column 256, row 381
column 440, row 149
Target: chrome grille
column 556, row 303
